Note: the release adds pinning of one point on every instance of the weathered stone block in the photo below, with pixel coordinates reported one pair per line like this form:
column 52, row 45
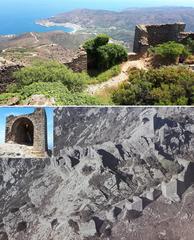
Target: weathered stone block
column 170, row 190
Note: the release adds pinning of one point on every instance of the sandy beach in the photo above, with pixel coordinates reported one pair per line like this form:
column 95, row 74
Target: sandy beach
column 47, row 23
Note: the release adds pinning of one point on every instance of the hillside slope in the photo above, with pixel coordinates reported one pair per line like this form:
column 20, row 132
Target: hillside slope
column 121, row 25
column 56, row 45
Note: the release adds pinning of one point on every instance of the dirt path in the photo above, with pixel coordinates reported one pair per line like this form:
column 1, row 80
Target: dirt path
column 47, row 45
column 35, row 37
column 115, row 81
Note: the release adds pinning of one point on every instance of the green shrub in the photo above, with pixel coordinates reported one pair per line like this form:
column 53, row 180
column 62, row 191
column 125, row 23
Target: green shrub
column 103, row 55
column 50, row 72
column 4, row 97
column 59, row 92
column 110, row 55
column 190, row 45
column 101, row 40
column 170, row 51
column 105, row 76
column 164, row 86
column 92, row 45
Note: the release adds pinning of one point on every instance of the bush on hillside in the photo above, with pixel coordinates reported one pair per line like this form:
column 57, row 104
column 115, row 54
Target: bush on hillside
column 54, row 90
column 104, row 55
column 5, row 97
column 56, row 72
column 111, row 54
column 92, row 45
column 50, row 72
column 169, row 52
column 190, row 45
column 165, row 86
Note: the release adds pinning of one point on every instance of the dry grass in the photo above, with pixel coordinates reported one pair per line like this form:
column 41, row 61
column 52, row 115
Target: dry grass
column 190, row 60
column 105, row 95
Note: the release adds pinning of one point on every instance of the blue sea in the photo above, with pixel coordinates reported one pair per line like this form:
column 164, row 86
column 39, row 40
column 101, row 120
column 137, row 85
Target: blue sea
column 19, row 16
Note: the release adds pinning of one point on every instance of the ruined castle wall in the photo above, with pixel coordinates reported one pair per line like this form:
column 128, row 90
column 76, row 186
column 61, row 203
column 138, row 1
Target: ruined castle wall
column 141, row 39
column 151, row 35
column 39, row 120
column 6, row 76
column 163, row 33
column 184, row 36
column 79, row 63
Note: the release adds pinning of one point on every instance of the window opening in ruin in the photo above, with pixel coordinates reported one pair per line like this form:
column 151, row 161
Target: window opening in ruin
column 23, row 132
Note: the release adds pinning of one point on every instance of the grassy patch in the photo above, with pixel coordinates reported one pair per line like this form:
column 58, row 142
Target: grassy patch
column 54, row 90
column 4, row 97
column 96, row 77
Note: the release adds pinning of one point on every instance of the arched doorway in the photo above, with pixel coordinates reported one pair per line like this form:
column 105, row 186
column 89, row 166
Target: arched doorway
column 23, row 132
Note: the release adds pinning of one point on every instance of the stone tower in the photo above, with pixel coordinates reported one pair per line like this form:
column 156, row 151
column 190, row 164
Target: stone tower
column 152, row 35
column 29, row 130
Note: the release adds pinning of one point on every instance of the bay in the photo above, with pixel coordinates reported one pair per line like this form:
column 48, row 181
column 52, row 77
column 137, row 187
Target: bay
column 19, row 16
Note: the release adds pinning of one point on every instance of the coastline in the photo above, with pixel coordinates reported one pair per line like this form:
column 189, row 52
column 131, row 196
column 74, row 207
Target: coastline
column 47, row 23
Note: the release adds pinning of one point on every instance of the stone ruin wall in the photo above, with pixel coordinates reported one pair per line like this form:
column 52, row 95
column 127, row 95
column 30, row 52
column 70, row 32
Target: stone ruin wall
column 39, row 121
column 79, row 62
column 6, row 76
column 151, row 35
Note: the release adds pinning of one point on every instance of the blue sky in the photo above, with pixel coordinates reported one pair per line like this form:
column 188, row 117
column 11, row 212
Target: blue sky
column 56, row 6
column 6, row 111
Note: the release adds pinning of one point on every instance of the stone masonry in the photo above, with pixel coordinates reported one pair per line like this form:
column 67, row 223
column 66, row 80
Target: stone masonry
column 79, row 62
column 151, row 35
column 29, row 130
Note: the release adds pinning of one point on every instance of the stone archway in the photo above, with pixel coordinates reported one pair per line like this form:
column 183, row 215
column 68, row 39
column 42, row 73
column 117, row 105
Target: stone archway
column 23, row 132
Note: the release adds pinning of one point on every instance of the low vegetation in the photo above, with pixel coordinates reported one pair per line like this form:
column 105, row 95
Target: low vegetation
column 59, row 92
column 54, row 80
column 190, row 45
column 170, row 85
column 167, row 85
column 54, row 90
column 99, row 77
column 50, row 72
column 4, row 97
column 169, row 52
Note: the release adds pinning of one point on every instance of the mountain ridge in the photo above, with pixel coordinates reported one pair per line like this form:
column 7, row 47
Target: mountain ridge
column 120, row 25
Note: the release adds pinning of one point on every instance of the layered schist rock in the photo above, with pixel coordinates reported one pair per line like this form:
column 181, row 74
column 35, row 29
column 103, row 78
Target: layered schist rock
column 125, row 160
column 117, row 173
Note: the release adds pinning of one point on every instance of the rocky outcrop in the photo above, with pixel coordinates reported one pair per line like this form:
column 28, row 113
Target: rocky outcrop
column 40, row 100
column 130, row 157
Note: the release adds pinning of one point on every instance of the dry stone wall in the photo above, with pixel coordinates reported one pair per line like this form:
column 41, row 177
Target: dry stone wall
column 79, row 62
column 151, row 35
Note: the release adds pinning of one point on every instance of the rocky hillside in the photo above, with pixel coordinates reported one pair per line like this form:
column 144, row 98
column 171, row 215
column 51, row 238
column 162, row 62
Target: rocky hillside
column 117, row 173
column 127, row 18
column 56, row 45
column 65, row 40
